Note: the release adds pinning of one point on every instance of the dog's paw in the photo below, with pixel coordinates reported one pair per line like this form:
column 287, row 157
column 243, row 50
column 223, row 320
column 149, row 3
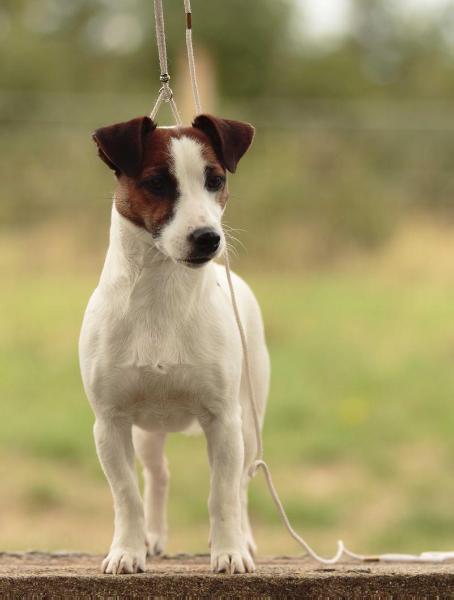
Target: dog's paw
column 124, row 560
column 156, row 543
column 232, row 561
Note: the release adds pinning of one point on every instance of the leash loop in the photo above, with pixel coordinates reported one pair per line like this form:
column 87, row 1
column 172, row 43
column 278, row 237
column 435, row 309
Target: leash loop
column 165, row 93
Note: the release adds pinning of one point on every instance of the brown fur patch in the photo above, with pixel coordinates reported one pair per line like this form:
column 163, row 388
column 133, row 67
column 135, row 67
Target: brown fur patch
column 142, row 208
column 229, row 139
column 138, row 204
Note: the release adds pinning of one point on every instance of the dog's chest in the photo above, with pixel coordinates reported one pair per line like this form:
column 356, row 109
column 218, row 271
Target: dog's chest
column 170, row 384
column 169, row 398
column 164, row 372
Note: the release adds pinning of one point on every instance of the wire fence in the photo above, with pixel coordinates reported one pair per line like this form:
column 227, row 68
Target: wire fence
column 82, row 109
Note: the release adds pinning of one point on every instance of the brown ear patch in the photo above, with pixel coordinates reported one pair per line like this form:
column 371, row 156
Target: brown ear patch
column 121, row 146
column 230, row 139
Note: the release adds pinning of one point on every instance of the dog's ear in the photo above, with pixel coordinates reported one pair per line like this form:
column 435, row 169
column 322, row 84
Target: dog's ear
column 121, row 146
column 230, row 139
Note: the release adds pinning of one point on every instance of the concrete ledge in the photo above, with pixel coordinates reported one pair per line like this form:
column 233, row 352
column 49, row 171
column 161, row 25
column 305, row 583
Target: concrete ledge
column 42, row 576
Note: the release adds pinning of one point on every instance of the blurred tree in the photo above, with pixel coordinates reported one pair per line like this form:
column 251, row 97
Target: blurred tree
column 81, row 44
column 400, row 53
column 78, row 45
column 376, row 30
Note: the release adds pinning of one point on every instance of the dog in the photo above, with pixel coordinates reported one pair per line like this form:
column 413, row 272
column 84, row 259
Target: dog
column 159, row 347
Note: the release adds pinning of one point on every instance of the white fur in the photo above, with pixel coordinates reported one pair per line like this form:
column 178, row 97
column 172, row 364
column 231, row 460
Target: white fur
column 160, row 351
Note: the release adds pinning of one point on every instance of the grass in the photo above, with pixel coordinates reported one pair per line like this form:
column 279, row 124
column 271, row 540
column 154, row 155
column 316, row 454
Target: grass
column 358, row 432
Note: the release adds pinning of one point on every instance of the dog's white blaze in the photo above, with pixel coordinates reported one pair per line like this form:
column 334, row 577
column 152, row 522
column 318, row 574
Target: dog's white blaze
column 188, row 164
column 196, row 206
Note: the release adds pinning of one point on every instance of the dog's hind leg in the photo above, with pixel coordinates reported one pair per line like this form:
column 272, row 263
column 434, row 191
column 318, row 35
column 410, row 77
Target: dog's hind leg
column 149, row 448
column 260, row 368
column 249, row 456
column 260, row 384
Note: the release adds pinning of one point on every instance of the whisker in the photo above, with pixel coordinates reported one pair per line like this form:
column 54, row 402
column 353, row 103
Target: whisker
column 236, row 229
column 237, row 240
column 231, row 249
column 231, row 240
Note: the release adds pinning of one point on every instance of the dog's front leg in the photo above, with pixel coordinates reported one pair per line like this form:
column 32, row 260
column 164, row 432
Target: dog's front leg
column 116, row 454
column 229, row 552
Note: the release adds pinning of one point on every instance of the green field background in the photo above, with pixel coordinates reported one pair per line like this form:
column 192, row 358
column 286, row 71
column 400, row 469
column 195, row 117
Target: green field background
column 358, row 432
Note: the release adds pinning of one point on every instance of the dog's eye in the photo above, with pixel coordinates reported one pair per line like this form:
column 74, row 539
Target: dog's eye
column 214, row 183
column 157, row 184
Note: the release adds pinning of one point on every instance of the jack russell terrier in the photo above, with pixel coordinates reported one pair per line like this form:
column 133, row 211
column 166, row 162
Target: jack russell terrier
column 160, row 348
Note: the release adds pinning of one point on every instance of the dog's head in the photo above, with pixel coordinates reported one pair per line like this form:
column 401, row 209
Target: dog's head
column 172, row 180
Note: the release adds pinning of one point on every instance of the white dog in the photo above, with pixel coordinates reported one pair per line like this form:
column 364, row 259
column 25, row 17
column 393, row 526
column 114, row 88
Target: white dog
column 159, row 347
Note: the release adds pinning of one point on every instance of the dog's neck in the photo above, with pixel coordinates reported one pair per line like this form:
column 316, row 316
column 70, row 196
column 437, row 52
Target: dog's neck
column 135, row 268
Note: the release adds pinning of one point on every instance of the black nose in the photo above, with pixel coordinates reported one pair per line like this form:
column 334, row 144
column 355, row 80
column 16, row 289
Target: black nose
column 205, row 241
